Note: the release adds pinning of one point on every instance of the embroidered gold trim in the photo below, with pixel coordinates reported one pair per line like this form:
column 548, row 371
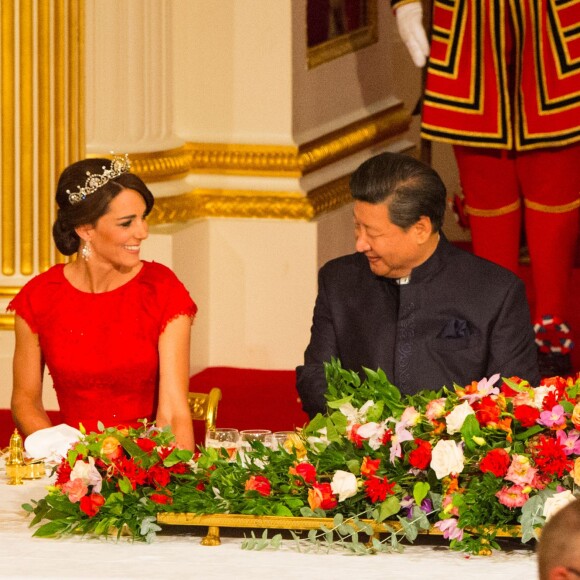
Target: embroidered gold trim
column 493, row 212
column 552, row 208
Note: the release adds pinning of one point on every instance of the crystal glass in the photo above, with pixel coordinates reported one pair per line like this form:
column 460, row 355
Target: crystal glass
column 283, row 440
column 223, row 438
column 249, row 435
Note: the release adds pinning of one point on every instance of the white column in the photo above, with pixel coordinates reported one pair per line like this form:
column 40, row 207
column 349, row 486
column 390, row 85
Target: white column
column 129, row 85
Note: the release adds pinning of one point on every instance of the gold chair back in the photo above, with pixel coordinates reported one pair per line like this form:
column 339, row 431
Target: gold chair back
column 204, row 406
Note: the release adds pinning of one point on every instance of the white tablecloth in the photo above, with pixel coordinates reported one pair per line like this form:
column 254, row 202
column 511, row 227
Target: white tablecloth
column 181, row 556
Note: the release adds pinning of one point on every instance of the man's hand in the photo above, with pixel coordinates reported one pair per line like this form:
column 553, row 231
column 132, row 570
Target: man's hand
column 410, row 25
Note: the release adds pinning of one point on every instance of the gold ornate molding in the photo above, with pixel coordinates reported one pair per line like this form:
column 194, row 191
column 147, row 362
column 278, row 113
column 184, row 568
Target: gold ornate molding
column 292, row 161
column 250, row 204
column 159, row 165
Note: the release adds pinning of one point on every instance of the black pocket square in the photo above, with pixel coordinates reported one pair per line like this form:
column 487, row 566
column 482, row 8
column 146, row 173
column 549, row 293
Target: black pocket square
column 455, row 328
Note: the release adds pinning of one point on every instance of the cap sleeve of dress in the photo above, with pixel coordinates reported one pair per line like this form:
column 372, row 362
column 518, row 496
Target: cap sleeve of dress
column 21, row 305
column 173, row 296
column 33, row 295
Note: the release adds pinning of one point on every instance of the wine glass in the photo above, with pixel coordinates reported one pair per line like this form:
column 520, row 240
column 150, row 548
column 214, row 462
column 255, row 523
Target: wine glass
column 283, row 440
column 249, row 435
column 223, row 438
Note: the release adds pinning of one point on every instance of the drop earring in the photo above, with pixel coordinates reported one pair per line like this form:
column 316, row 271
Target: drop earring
column 86, row 251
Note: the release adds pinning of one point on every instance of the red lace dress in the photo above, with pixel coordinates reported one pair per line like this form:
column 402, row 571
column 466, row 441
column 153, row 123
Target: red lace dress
column 102, row 349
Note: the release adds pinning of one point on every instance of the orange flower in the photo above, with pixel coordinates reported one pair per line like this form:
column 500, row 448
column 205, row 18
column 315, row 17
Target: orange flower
column 111, row 448
column 369, row 466
column 320, row 496
column 260, row 484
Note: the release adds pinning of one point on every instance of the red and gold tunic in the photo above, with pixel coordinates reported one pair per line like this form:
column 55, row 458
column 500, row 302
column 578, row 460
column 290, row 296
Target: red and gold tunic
column 503, row 74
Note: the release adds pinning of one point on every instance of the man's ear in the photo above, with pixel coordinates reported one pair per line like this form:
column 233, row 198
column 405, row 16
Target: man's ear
column 423, row 229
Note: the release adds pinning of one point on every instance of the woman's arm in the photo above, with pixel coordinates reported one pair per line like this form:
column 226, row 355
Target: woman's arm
column 173, row 408
column 27, row 408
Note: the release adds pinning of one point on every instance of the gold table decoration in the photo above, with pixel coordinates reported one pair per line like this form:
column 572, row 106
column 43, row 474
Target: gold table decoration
column 18, row 467
column 216, row 521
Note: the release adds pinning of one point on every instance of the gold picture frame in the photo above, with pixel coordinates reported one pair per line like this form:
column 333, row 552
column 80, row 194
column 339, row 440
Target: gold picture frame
column 323, row 51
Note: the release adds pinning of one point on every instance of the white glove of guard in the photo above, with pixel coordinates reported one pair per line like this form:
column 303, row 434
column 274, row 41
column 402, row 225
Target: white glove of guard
column 51, row 443
column 410, row 25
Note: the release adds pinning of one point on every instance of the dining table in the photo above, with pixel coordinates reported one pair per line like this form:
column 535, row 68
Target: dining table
column 177, row 552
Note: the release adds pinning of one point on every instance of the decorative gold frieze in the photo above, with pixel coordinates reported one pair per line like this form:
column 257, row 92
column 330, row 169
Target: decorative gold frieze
column 291, row 161
column 162, row 165
column 203, row 203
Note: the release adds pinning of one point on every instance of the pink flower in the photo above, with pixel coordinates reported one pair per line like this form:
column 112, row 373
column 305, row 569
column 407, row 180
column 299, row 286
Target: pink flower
column 570, row 442
column 75, row 489
column 401, row 434
column 513, row 496
column 449, row 529
column 520, row 471
column 554, row 418
column 435, row 409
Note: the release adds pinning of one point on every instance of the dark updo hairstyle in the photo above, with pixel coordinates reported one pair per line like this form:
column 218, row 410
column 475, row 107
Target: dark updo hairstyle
column 95, row 205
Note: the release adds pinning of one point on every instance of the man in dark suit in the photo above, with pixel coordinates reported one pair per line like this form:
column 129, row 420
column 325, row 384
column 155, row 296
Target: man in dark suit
column 409, row 302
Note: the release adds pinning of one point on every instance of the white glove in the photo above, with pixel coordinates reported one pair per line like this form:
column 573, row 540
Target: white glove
column 410, row 25
column 51, row 443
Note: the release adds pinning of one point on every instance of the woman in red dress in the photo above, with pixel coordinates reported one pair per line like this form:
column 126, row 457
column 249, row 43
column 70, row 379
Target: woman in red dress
column 113, row 330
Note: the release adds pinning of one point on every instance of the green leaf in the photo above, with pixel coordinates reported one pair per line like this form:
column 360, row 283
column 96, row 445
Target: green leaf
column 52, row 529
column 420, row 491
column 125, row 485
column 389, row 507
column 529, row 433
column 339, row 402
column 469, row 430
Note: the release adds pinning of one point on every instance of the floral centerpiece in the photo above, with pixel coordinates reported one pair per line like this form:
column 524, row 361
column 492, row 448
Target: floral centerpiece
column 112, row 482
column 467, row 461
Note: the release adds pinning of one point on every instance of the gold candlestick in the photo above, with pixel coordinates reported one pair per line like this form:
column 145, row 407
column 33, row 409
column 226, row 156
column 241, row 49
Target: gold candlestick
column 15, row 461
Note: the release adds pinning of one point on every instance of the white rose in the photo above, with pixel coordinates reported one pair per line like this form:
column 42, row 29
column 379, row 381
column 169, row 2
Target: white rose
column 447, row 458
column 88, row 473
column 556, row 502
column 344, row 484
column 457, row 417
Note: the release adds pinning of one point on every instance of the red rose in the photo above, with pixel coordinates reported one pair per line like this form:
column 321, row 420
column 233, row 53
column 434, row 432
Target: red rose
column 378, row 488
column 178, row 468
column 526, row 415
column 91, row 504
column 369, row 466
column 305, row 470
column 321, row 496
column 486, row 411
column 146, row 444
column 63, row 472
column 421, row 456
column 496, row 461
column 260, row 484
column 158, row 476
column 161, row 498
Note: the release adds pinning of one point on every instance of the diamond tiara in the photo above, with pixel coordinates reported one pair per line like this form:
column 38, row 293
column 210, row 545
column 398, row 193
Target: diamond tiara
column 119, row 164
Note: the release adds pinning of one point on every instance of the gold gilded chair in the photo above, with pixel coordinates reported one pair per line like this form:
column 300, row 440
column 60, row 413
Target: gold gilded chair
column 204, row 406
